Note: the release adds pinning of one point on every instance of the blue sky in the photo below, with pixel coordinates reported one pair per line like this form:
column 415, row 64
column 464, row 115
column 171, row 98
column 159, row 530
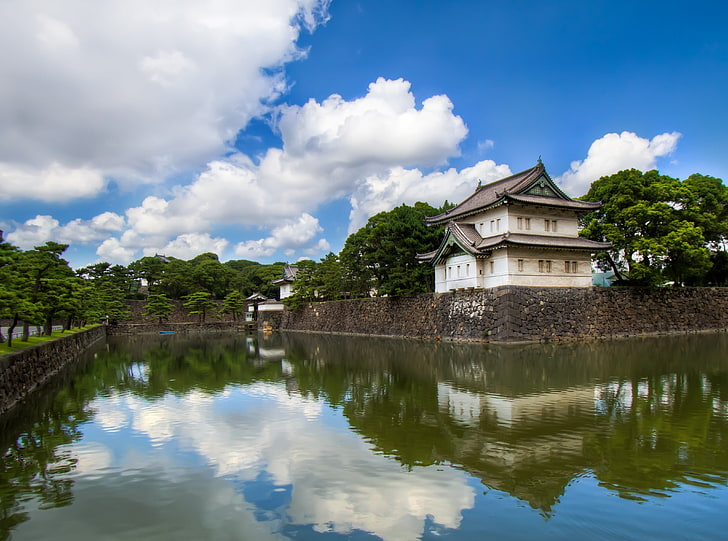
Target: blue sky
column 270, row 132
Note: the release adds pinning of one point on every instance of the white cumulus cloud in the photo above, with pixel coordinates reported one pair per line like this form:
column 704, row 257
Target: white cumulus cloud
column 615, row 152
column 189, row 245
column 291, row 236
column 42, row 228
column 330, row 150
column 134, row 90
column 51, row 183
column 112, row 251
column 393, row 187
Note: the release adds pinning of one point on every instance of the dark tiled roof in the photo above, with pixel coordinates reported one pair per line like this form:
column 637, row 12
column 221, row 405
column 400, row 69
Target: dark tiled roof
column 289, row 275
column 509, row 188
column 488, row 194
column 555, row 202
column 465, row 233
column 543, row 241
column 471, row 242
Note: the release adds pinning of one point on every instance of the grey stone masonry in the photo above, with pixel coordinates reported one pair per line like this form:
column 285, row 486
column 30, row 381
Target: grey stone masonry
column 514, row 314
column 21, row 372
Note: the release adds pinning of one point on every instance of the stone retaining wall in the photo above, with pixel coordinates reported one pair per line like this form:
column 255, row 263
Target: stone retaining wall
column 180, row 328
column 512, row 314
column 24, row 370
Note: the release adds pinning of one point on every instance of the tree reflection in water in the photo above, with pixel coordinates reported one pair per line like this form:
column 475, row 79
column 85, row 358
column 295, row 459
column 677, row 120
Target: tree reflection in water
column 643, row 416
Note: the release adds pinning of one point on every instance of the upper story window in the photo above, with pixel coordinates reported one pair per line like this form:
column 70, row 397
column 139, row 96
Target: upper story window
column 550, row 225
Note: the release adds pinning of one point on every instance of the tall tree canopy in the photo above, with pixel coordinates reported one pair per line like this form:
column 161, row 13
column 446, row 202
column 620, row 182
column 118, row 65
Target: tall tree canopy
column 382, row 255
column 662, row 229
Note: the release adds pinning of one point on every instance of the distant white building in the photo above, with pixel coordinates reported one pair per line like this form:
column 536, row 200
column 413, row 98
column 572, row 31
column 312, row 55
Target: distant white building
column 285, row 282
column 259, row 303
column 521, row 230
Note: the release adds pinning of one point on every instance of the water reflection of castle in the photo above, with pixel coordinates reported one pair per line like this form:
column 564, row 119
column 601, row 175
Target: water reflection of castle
column 528, row 420
column 530, row 446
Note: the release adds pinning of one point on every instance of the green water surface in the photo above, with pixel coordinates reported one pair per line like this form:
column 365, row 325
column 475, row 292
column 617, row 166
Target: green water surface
column 296, row 436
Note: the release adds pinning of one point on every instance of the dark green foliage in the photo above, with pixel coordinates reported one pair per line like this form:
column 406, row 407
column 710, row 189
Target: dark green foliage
column 250, row 277
column 46, row 286
column 101, row 294
column 381, row 257
column 305, row 287
column 158, row 306
column 233, row 304
column 200, row 303
column 176, row 282
column 662, row 229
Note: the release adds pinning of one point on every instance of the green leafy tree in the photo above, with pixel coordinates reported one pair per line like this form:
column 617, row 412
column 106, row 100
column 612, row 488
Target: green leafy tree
column 381, row 256
column 101, row 295
column 150, row 269
column 250, row 277
column 330, row 277
column 176, row 281
column 233, row 304
column 200, row 303
column 211, row 275
column 158, row 306
column 306, row 285
column 13, row 299
column 660, row 228
column 47, row 275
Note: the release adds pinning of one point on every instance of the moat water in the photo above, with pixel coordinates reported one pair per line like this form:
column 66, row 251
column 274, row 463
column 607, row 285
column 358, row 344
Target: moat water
column 314, row 437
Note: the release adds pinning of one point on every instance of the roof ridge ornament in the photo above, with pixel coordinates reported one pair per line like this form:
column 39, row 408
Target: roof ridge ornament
column 539, row 160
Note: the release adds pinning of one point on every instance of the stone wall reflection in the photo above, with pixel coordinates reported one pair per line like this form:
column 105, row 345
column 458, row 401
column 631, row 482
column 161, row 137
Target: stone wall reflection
column 528, row 419
column 642, row 415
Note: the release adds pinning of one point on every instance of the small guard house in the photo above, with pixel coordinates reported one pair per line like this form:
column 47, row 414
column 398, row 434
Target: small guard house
column 285, row 282
column 521, row 230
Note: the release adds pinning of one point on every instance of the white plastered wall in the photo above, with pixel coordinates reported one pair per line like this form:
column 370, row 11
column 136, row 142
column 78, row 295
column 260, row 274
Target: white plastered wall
column 532, row 221
column 547, row 268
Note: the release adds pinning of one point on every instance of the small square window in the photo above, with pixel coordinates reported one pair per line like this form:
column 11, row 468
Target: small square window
column 574, row 267
column 528, row 224
column 520, row 265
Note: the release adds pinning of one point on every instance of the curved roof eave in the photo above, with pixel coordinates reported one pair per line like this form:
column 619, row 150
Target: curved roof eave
column 453, row 235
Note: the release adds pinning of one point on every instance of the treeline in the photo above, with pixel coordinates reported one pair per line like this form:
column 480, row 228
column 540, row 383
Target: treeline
column 38, row 287
column 663, row 231
column 379, row 259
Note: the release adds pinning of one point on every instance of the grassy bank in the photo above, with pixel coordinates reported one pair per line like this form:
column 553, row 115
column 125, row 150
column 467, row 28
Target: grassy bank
column 33, row 340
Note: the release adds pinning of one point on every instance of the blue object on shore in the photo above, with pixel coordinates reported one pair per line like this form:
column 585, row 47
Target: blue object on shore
column 166, row 332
